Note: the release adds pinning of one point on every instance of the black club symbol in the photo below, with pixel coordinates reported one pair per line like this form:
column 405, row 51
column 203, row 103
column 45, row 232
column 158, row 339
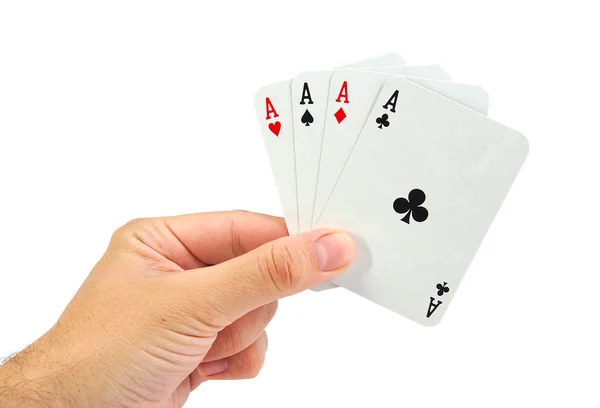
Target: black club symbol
column 442, row 289
column 412, row 206
column 383, row 121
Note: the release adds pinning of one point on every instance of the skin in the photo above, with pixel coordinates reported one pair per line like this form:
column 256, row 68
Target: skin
column 173, row 302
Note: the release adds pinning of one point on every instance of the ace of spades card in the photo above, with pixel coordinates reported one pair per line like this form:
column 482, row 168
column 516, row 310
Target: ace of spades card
column 419, row 212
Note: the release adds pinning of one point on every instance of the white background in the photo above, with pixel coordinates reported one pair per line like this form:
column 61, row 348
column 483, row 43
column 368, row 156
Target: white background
column 115, row 110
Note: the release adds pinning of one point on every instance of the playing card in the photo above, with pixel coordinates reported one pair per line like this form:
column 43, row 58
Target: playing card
column 351, row 97
column 309, row 106
column 423, row 184
column 273, row 109
column 274, row 112
column 339, row 138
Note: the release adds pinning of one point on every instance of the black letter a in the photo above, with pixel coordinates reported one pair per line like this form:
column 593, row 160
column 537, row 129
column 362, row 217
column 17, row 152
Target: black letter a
column 306, row 95
column 432, row 306
column 392, row 102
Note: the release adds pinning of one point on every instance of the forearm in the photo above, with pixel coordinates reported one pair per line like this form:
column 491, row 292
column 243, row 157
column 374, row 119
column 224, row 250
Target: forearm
column 16, row 390
column 30, row 380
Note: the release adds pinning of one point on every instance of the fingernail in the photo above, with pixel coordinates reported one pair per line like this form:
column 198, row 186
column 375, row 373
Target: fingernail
column 333, row 251
column 212, row 367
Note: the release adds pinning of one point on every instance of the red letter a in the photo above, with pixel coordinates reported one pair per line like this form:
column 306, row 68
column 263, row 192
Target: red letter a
column 271, row 110
column 343, row 93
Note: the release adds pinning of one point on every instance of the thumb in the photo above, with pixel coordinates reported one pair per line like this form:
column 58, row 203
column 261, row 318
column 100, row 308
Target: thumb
column 272, row 271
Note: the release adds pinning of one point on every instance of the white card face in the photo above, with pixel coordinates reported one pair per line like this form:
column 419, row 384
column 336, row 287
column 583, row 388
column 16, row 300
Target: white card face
column 309, row 107
column 390, row 61
column 351, row 97
column 471, row 96
column 274, row 111
column 418, row 194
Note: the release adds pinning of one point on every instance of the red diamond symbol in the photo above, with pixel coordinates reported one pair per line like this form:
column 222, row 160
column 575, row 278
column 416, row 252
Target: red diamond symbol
column 340, row 115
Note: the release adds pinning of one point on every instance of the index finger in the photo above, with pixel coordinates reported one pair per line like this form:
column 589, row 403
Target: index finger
column 216, row 237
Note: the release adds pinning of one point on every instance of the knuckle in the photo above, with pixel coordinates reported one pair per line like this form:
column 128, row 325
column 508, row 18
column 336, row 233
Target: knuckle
column 127, row 230
column 134, row 224
column 138, row 234
column 282, row 266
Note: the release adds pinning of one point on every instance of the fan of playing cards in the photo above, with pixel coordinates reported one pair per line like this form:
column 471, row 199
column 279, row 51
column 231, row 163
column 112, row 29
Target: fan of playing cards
column 401, row 158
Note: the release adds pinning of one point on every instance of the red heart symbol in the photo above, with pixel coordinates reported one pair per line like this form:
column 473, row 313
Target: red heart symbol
column 275, row 127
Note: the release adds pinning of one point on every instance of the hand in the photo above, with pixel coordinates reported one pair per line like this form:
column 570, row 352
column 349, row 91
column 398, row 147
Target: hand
column 172, row 303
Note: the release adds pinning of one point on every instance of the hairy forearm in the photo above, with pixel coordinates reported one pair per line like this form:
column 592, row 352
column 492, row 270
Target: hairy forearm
column 18, row 391
column 28, row 380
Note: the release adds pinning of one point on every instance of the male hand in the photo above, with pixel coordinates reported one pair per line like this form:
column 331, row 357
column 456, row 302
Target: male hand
column 173, row 302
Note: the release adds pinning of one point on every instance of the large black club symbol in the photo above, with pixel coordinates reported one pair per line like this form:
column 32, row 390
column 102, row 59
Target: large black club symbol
column 412, row 206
